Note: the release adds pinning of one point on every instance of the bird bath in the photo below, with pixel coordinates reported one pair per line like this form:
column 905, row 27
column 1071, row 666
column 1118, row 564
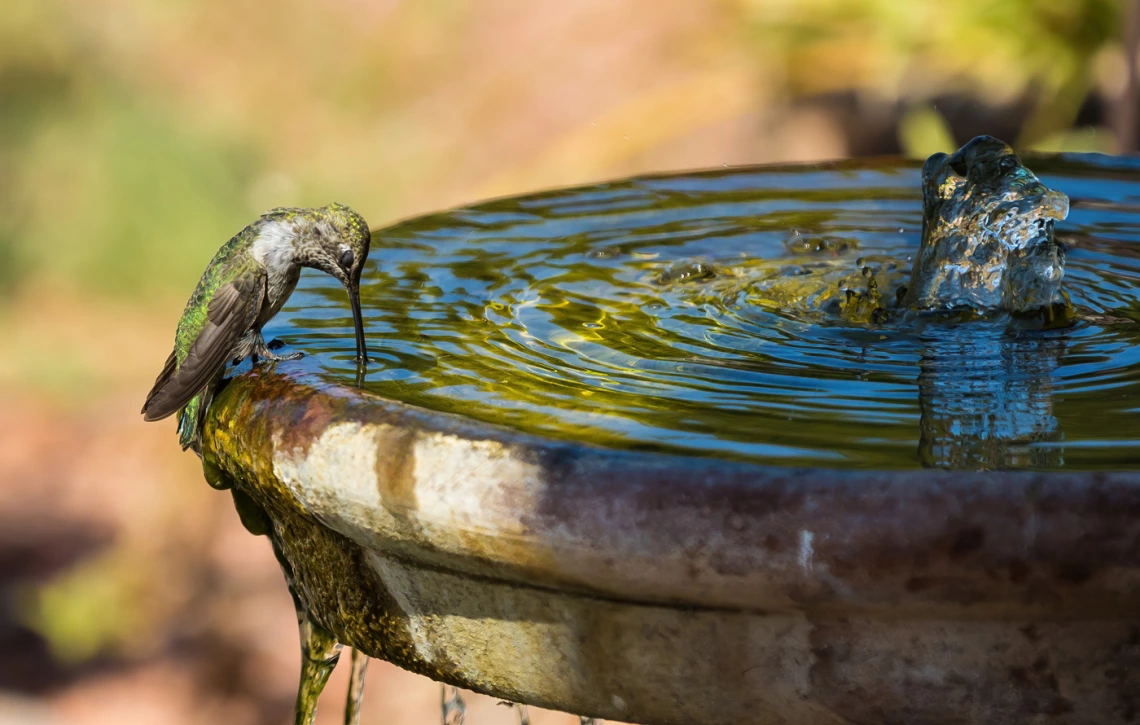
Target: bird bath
column 611, row 457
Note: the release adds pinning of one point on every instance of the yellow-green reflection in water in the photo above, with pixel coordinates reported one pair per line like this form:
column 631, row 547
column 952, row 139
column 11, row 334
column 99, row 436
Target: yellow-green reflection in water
column 690, row 313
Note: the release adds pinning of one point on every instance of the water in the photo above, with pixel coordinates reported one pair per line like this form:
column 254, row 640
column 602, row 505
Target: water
column 356, row 688
column 319, row 654
column 689, row 313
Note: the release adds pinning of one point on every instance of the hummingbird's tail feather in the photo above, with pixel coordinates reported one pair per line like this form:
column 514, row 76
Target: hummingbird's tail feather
column 189, row 423
column 192, row 418
column 230, row 314
column 168, row 371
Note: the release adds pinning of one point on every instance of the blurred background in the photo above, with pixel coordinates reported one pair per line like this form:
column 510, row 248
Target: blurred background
column 138, row 135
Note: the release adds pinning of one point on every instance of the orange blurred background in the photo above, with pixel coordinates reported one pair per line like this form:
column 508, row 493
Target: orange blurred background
column 138, row 135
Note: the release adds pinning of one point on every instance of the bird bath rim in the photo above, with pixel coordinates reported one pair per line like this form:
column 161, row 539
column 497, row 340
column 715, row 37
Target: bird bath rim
column 682, row 530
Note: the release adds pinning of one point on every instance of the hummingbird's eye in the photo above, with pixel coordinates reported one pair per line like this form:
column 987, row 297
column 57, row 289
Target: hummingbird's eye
column 346, row 259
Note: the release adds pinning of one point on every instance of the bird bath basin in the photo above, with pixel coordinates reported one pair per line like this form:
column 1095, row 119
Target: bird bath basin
column 614, row 456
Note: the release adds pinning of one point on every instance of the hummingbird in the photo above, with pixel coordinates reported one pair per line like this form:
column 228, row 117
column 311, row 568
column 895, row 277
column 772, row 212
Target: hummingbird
column 245, row 285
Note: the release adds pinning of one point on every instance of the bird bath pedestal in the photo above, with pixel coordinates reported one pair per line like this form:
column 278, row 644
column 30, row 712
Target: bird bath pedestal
column 671, row 588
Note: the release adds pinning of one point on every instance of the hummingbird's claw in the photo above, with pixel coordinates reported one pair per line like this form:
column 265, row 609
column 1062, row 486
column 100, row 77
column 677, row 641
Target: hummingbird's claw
column 265, row 351
column 271, row 357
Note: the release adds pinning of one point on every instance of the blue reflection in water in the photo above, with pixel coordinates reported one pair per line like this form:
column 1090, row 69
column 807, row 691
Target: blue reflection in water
column 986, row 396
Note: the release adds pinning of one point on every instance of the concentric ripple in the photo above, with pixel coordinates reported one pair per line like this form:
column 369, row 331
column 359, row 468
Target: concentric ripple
column 691, row 313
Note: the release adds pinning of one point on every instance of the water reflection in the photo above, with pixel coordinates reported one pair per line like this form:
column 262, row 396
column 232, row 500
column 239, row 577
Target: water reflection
column 985, row 394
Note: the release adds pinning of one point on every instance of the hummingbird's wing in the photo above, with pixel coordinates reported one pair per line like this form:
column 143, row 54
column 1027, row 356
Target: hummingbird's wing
column 231, row 313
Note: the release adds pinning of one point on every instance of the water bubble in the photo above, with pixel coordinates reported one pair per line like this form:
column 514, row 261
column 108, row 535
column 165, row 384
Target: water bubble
column 797, row 244
column 684, row 272
column 605, row 252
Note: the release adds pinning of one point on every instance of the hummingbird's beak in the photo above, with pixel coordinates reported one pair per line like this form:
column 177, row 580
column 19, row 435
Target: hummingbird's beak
column 357, row 320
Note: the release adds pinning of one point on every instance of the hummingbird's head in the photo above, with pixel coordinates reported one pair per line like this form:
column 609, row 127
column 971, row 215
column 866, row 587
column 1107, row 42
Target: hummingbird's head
column 335, row 240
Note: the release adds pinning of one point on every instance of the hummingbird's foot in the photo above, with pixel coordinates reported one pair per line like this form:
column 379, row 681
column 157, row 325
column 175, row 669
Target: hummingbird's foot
column 263, row 350
column 274, row 357
column 278, row 358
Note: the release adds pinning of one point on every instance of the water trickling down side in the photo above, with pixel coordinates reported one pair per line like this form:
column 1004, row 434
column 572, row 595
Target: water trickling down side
column 319, row 654
column 355, row 701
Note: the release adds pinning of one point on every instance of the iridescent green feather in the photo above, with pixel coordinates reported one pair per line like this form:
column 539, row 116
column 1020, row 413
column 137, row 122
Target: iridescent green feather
column 230, row 262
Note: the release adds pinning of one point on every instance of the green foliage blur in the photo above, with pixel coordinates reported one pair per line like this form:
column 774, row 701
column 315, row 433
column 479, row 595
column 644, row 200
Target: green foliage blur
column 1042, row 50
column 137, row 135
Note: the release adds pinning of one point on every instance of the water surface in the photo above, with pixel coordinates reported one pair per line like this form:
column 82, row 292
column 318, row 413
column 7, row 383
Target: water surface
column 583, row 314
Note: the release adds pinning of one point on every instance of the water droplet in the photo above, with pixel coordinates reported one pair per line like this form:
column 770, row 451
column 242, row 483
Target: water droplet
column 356, row 688
column 583, row 720
column 523, row 713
